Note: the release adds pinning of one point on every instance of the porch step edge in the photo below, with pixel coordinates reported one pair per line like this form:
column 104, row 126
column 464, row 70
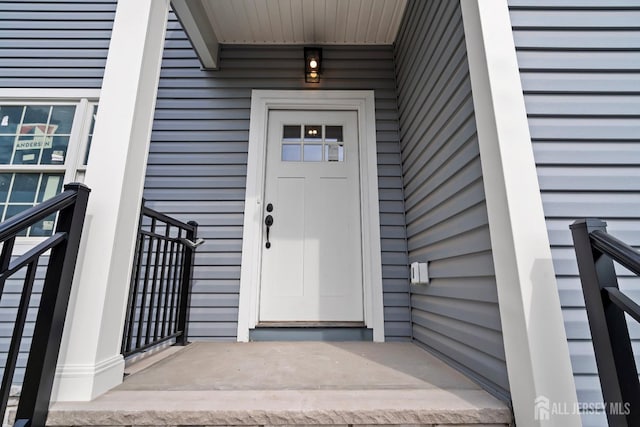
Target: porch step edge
column 289, row 407
column 321, row 425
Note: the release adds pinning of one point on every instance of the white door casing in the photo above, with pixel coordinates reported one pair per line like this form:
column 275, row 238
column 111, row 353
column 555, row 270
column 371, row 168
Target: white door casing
column 262, row 102
column 312, row 267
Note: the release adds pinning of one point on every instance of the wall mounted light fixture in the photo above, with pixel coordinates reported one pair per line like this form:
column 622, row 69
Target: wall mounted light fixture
column 312, row 64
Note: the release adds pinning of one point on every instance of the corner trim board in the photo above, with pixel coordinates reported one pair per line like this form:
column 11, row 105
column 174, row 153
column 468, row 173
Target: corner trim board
column 261, row 102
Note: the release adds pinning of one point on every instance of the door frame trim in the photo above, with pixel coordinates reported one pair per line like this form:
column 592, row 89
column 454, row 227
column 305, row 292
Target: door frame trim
column 361, row 101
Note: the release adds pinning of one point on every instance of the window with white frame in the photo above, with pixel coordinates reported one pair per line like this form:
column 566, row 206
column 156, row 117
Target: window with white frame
column 43, row 145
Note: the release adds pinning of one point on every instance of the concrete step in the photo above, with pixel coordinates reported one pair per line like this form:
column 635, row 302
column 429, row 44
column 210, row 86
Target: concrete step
column 283, row 407
column 290, row 384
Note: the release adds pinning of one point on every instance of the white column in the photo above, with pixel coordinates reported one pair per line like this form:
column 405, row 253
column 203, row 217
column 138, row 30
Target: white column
column 535, row 341
column 90, row 362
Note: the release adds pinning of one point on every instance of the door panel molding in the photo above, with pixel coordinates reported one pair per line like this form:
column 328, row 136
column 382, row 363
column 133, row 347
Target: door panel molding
column 363, row 102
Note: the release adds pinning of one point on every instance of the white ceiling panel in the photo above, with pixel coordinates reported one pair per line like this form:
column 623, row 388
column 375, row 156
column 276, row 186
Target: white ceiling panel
column 305, row 21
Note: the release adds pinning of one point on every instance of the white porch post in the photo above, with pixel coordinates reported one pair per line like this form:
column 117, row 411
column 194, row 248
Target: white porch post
column 535, row 341
column 90, row 362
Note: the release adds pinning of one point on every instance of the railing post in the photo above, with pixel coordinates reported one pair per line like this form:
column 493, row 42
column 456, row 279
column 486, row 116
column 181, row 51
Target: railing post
column 185, row 289
column 33, row 407
column 609, row 331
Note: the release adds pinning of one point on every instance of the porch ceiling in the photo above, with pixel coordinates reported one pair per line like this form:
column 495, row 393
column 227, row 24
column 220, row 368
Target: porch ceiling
column 303, row 22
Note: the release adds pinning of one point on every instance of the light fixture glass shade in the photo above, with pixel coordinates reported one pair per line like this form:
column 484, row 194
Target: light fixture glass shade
column 312, row 64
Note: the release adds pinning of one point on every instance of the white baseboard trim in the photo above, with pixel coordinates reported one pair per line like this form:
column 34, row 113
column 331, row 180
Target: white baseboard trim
column 85, row 382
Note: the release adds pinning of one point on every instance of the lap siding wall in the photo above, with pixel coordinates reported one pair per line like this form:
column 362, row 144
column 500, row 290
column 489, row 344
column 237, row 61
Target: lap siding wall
column 579, row 66
column 456, row 315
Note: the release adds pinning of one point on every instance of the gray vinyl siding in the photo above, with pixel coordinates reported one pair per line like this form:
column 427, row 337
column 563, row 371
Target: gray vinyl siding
column 53, row 44
column 580, row 69
column 198, row 162
column 47, row 44
column 456, row 315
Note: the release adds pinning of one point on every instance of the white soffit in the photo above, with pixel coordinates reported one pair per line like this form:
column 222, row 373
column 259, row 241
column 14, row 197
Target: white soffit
column 305, row 21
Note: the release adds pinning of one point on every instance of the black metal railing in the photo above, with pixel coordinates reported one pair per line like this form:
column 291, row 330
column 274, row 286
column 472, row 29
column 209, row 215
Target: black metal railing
column 70, row 207
column 160, row 290
column 596, row 250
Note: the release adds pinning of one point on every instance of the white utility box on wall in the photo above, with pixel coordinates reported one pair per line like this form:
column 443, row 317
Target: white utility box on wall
column 419, row 273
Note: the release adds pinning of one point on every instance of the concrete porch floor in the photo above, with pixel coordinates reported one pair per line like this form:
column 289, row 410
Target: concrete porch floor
column 291, row 383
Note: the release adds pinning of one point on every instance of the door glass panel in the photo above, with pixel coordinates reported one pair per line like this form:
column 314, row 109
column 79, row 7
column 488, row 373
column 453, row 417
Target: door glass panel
column 334, row 152
column 313, row 133
column 319, row 143
column 333, row 134
column 313, row 152
column 291, row 153
column 291, row 133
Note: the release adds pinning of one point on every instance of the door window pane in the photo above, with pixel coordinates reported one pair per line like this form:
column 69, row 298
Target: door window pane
column 319, row 143
column 313, row 152
column 312, row 132
column 290, row 153
column 334, row 152
column 334, row 134
column 291, row 133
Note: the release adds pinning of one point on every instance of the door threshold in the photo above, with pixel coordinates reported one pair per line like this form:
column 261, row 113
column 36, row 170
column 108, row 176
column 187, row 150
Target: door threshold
column 310, row 331
column 307, row 324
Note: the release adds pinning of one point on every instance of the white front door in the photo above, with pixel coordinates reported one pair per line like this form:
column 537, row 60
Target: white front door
column 312, row 263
